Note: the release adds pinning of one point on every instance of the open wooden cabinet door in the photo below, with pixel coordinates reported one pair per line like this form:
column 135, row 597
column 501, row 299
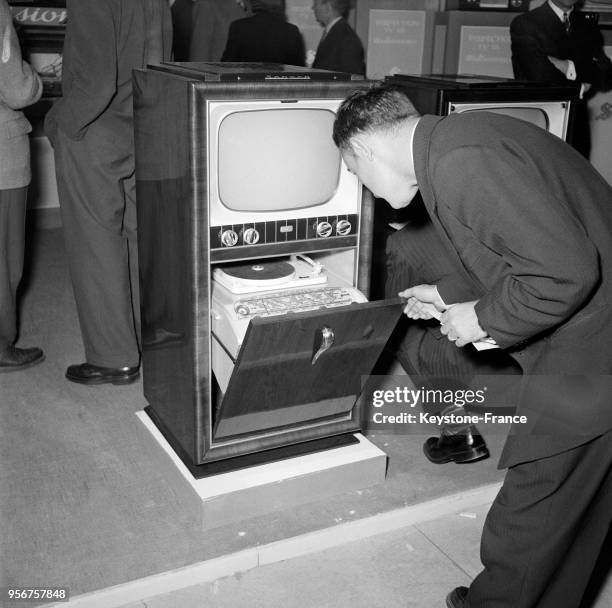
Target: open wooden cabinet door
column 302, row 367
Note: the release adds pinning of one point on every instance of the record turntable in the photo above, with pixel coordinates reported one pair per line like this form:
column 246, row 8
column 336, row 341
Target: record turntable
column 264, row 275
column 266, row 288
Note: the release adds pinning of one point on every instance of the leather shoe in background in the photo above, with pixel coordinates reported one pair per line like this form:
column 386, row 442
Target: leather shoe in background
column 13, row 359
column 468, row 446
column 86, row 373
column 457, row 598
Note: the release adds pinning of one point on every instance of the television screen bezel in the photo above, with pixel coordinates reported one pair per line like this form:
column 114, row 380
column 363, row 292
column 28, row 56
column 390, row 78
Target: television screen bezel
column 345, row 200
column 557, row 112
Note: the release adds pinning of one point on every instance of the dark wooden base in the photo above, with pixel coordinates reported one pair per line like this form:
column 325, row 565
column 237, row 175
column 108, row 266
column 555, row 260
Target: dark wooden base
column 250, row 460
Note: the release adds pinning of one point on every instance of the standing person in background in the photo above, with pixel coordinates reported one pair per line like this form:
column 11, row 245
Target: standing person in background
column 557, row 43
column 91, row 129
column 266, row 36
column 20, row 86
column 181, row 28
column 340, row 48
column 211, row 21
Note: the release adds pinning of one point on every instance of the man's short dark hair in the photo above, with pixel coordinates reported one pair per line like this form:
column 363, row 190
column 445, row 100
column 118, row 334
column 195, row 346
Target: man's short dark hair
column 379, row 107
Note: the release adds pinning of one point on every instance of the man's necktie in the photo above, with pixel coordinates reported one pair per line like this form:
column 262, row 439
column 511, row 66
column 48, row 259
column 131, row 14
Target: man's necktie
column 566, row 22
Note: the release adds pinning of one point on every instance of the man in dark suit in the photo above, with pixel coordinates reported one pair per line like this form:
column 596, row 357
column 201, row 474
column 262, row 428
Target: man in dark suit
column 91, row 129
column 557, row 43
column 265, row 36
column 528, row 221
column 340, row 48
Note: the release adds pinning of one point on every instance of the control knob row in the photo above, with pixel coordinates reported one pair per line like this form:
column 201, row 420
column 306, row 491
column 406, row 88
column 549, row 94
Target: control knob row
column 229, row 237
column 326, row 229
column 250, row 236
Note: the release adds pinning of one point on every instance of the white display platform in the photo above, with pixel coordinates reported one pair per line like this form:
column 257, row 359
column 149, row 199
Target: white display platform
column 232, row 497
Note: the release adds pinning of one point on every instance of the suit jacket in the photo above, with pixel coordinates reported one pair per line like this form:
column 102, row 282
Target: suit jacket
column 264, row 37
column 539, row 33
column 20, row 86
column 105, row 40
column 340, row 50
column 529, row 220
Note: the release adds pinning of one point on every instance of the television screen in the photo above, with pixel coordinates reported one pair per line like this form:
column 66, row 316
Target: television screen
column 553, row 116
column 277, row 159
column 535, row 116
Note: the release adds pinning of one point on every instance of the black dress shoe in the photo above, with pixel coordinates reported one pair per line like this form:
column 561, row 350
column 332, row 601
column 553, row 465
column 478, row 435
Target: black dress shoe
column 457, row 598
column 461, row 448
column 13, row 359
column 86, row 373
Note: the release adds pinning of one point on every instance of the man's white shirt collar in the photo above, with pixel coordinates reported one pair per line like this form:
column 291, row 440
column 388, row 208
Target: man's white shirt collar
column 558, row 11
column 330, row 25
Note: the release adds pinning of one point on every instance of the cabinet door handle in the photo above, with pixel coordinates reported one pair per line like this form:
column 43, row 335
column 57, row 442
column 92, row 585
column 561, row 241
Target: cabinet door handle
column 326, row 339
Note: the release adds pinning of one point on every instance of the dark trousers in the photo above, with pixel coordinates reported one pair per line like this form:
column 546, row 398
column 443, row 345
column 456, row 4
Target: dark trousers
column 416, row 255
column 12, row 239
column 96, row 186
column 544, row 532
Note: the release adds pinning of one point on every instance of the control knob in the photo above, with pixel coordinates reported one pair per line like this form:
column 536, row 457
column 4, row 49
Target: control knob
column 343, row 227
column 324, row 229
column 250, row 236
column 229, row 238
column 242, row 310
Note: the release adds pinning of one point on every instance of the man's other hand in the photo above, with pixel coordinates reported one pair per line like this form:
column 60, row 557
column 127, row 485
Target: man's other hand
column 422, row 302
column 459, row 324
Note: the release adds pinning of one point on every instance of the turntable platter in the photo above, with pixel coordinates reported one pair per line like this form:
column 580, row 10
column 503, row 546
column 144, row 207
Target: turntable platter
column 261, row 273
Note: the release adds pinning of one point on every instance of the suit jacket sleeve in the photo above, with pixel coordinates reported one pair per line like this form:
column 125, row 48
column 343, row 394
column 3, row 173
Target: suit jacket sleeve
column 414, row 256
column 592, row 63
column 20, row 85
column 529, row 58
column 92, row 65
column 530, row 230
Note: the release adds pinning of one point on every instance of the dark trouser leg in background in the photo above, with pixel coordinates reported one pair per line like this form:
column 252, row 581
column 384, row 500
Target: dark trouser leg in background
column 96, row 189
column 12, row 239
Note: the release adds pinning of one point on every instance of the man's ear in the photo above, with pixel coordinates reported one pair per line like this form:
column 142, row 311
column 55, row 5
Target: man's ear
column 362, row 148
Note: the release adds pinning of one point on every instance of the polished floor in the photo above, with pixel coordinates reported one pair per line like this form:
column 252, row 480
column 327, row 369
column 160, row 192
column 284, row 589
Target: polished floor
column 84, row 505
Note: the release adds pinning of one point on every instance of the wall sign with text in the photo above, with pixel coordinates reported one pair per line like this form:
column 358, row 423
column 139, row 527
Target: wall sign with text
column 39, row 15
column 396, row 42
column 485, row 50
